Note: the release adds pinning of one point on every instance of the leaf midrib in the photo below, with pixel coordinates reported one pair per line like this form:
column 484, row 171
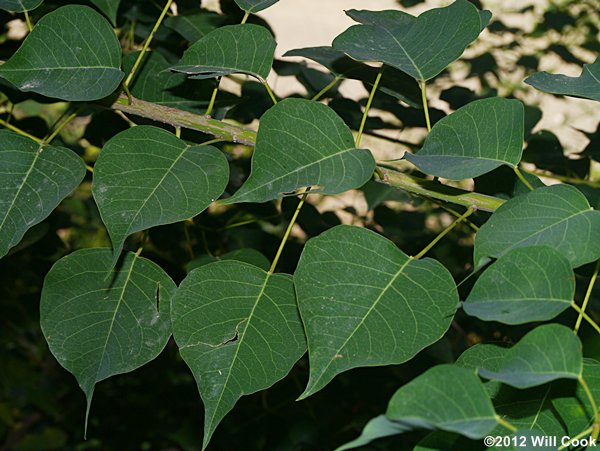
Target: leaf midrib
column 23, row 183
column 301, row 168
column 237, row 350
column 365, row 316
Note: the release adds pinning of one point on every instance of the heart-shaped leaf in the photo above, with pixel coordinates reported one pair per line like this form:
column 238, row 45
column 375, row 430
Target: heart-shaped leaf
column 232, row 49
column 154, row 83
column 146, row 176
column 365, row 303
column 35, row 179
column 587, row 85
column 302, row 143
column 420, row 46
column 193, row 27
column 254, row 6
column 445, row 397
column 378, row 427
column 18, row 6
column 547, row 353
column 524, row 285
column 99, row 323
column 557, row 216
column 474, row 140
column 71, row 54
column 238, row 329
column 109, row 8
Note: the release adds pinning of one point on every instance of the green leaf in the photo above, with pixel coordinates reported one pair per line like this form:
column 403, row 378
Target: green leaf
column 35, row 179
column 420, row 46
column 445, row 397
column 482, row 356
column 474, row 140
column 99, row 323
column 146, row 176
column 394, row 82
column 547, row 353
column 19, row 6
column 193, row 27
column 250, row 256
column 573, row 405
column 238, row 329
column 71, row 54
column 109, row 8
column 376, row 428
column 524, row 285
column 232, row 49
column 154, row 83
column 254, row 6
column 365, row 303
column 302, row 143
column 587, row 85
column 557, row 216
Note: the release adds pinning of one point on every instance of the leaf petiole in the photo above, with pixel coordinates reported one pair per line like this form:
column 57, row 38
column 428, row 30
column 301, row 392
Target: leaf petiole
column 444, row 232
column 588, row 294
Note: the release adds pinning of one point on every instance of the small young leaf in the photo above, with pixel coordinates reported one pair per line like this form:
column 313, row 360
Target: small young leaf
column 474, row 140
column 99, row 324
column 587, row 85
column 71, row 54
column 254, row 6
column 302, row 143
column 35, row 179
column 365, row 303
column 232, row 49
column 238, row 329
column 446, row 397
column 19, row 6
column 547, row 353
column 378, row 427
column 557, row 216
column 146, row 176
column 524, row 285
column 420, row 46
column 109, row 8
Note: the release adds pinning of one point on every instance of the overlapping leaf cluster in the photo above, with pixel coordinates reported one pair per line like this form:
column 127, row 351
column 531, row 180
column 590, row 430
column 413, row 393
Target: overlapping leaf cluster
column 355, row 299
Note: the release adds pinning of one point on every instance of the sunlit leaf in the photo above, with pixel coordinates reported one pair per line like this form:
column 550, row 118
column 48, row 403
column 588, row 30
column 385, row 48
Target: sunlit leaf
column 364, row 302
column 547, row 353
column 254, row 6
column 146, row 176
column 420, row 46
column 558, row 216
column 474, row 140
column 302, row 143
column 35, row 179
column 99, row 323
column 445, row 397
column 71, row 54
column 238, row 329
column 232, row 49
column 526, row 284
column 587, row 85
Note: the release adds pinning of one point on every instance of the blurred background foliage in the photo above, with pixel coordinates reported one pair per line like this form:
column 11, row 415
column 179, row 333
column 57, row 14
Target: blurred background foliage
column 157, row 407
